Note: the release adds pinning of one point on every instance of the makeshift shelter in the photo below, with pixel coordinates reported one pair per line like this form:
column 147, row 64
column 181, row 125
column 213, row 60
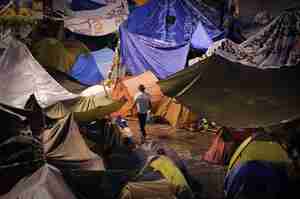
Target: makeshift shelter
column 127, row 88
column 234, row 95
column 257, row 179
column 175, row 113
column 274, row 46
column 47, row 182
column 59, row 142
column 259, row 147
column 18, row 65
column 53, row 54
column 91, row 69
column 98, row 22
column 164, row 49
column 24, row 76
column 225, row 143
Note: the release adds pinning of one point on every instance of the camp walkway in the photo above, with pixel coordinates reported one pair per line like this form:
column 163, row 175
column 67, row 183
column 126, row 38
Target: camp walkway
column 190, row 146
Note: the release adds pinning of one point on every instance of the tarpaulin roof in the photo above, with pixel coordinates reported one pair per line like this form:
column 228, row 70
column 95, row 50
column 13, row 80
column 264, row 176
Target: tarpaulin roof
column 24, row 76
column 99, row 22
column 236, row 95
column 65, row 147
column 276, row 45
column 157, row 36
column 91, row 69
column 47, row 183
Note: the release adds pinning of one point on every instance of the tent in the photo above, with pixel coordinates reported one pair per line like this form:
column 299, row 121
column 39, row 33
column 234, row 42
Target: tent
column 164, row 49
column 257, row 179
column 91, row 69
column 53, row 54
column 236, row 95
column 98, row 22
column 175, row 113
column 276, row 45
column 127, row 88
column 47, row 182
column 59, row 142
column 259, row 147
column 225, row 143
column 18, row 65
column 24, row 76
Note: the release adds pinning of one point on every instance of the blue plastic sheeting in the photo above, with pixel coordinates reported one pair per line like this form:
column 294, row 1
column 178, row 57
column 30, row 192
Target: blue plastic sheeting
column 256, row 179
column 78, row 5
column 104, row 60
column 140, row 54
column 93, row 68
column 157, row 36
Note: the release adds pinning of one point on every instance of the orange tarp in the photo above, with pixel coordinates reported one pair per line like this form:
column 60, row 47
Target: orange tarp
column 140, row 2
column 128, row 87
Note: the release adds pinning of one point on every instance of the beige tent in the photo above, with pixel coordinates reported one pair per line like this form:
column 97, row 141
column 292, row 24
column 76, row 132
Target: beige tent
column 46, row 183
column 65, row 147
column 129, row 87
column 175, row 113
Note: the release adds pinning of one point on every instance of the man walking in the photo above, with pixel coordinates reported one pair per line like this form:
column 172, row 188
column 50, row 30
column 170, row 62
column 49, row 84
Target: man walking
column 142, row 101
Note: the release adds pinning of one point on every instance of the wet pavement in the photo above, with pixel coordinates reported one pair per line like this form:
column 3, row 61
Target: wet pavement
column 190, row 146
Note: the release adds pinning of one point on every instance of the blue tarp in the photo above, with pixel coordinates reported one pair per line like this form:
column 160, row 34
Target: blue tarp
column 157, row 36
column 91, row 69
column 78, row 5
column 256, row 179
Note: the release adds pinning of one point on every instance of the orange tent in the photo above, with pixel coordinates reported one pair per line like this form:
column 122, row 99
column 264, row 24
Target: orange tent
column 175, row 113
column 128, row 87
column 140, row 2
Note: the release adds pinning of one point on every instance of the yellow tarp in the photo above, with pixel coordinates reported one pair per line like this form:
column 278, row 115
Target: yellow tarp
column 252, row 149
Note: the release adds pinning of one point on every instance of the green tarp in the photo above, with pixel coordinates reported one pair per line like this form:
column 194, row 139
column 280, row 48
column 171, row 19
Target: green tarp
column 236, row 95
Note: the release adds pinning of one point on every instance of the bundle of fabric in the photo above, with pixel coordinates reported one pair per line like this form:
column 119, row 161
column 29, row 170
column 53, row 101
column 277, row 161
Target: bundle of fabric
column 127, row 88
column 174, row 24
column 98, row 22
column 176, row 114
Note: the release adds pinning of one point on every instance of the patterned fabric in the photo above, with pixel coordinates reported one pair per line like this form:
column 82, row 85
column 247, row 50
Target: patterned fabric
column 102, row 21
column 276, row 45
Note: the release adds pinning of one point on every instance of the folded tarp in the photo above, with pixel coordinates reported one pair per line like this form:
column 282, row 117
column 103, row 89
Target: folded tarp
column 91, row 69
column 236, row 95
column 47, row 183
column 65, row 147
column 99, row 22
column 276, row 45
column 164, row 48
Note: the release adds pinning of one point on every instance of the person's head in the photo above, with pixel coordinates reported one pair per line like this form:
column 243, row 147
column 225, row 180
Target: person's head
column 142, row 88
